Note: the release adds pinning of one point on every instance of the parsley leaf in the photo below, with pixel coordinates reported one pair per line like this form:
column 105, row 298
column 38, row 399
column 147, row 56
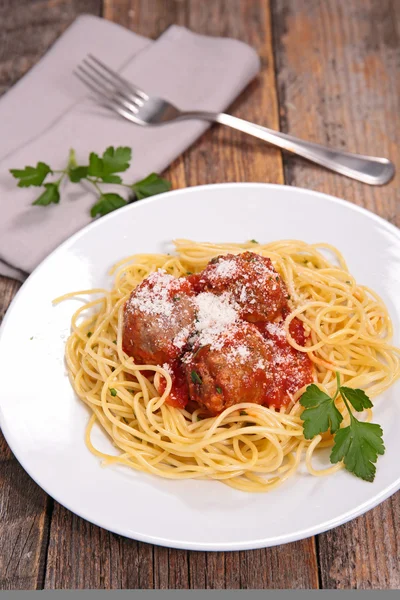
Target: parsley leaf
column 49, row 196
column 78, row 173
column 95, row 165
column 358, row 445
column 113, row 392
column 114, row 160
column 31, row 175
column 358, row 398
column 101, row 169
column 150, row 186
column 111, row 179
column 321, row 413
column 106, row 204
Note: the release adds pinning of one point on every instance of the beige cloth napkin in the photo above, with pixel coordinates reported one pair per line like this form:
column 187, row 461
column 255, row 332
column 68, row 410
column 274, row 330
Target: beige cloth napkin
column 48, row 112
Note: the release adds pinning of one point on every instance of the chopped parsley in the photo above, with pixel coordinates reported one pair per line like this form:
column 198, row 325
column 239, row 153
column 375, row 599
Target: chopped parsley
column 89, row 334
column 113, row 391
column 243, row 413
column 195, row 377
column 254, row 241
column 219, row 390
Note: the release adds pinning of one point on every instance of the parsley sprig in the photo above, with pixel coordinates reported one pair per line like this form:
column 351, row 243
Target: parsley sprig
column 99, row 170
column 357, row 445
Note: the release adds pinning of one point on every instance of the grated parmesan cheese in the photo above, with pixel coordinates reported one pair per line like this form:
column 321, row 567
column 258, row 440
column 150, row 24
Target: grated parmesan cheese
column 276, row 329
column 167, row 368
column 154, row 300
column 181, row 338
column 226, row 268
column 214, row 315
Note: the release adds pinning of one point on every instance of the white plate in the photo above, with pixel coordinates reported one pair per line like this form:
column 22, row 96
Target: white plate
column 44, row 422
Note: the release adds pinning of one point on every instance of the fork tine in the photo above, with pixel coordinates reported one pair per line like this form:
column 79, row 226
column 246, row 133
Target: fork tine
column 118, row 77
column 108, row 99
column 103, row 80
column 86, row 78
column 115, row 86
column 100, row 87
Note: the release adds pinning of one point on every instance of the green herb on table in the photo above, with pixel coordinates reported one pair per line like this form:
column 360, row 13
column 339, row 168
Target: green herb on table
column 99, row 170
column 357, row 445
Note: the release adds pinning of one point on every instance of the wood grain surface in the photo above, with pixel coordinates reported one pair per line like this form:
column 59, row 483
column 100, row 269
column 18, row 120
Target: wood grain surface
column 338, row 82
column 329, row 74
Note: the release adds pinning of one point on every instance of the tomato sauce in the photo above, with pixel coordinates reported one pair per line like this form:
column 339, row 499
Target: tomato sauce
column 179, row 395
column 292, row 369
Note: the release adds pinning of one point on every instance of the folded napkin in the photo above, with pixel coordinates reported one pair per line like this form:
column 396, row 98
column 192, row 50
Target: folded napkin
column 48, row 112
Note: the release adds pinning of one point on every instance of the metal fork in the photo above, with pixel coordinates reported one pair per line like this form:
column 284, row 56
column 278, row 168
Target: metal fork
column 122, row 97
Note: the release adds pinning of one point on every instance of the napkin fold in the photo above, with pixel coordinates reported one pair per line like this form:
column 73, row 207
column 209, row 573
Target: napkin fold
column 48, row 112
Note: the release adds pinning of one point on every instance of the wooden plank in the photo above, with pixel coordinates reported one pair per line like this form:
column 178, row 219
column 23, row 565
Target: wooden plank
column 220, row 155
column 27, row 30
column 337, row 64
column 23, row 518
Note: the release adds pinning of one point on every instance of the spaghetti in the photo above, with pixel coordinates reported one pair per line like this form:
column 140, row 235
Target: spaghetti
column 248, row 446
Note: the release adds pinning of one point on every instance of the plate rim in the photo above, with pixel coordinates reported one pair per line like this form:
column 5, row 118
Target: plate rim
column 208, row 546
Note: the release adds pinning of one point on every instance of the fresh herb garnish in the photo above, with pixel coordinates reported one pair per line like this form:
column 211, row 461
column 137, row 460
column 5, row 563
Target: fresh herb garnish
column 358, row 444
column 113, row 391
column 219, row 390
column 89, row 334
column 99, row 170
column 114, row 341
column 189, row 273
column 243, row 413
column 31, row 175
column 253, row 242
column 195, row 377
column 176, row 298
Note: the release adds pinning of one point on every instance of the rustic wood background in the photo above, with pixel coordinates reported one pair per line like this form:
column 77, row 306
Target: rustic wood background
column 330, row 73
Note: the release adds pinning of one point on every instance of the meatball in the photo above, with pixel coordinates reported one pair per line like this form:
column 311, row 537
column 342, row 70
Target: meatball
column 158, row 319
column 256, row 287
column 292, row 368
column 233, row 369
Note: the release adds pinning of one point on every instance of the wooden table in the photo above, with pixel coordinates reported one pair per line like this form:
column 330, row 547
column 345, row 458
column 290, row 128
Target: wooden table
column 330, row 73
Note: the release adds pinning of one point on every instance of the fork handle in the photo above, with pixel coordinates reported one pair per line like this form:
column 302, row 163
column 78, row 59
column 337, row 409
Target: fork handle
column 368, row 169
